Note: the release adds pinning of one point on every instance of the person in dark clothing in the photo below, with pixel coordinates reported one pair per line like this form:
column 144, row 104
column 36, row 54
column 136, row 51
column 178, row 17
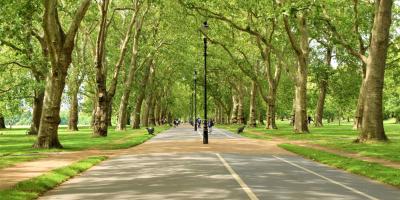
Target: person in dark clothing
column 309, row 119
column 210, row 125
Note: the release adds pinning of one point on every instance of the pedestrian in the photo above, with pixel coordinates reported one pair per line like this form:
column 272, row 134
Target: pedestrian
column 210, row 125
column 309, row 119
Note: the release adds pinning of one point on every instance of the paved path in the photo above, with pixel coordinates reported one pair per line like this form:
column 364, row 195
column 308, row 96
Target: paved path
column 175, row 165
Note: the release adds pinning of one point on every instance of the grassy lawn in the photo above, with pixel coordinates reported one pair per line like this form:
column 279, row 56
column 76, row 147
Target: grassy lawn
column 16, row 146
column 334, row 136
column 32, row 188
column 372, row 170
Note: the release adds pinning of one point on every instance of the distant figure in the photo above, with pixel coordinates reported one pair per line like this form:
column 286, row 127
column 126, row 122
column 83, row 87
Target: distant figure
column 309, row 119
column 210, row 125
column 198, row 121
column 150, row 130
column 240, row 129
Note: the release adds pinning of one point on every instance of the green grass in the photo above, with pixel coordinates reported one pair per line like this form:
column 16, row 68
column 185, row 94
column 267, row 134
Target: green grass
column 372, row 170
column 16, row 146
column 334, row 136
column 32, row 188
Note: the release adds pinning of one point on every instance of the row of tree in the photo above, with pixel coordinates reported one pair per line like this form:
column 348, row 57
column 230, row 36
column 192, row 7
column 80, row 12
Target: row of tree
column 131, row 61
column 308, row 43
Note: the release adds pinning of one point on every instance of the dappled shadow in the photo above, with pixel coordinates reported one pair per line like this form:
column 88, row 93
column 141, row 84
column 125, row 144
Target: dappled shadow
column 271, row 178
column 155, row 176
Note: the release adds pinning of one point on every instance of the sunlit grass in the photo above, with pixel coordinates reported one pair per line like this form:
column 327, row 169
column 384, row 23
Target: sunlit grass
column 372, row 170
column 32, row 188
column 334, row 136
column 16, row 146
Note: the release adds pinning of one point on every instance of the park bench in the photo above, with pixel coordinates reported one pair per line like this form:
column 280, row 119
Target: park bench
column 240, row 129
column 150, row 131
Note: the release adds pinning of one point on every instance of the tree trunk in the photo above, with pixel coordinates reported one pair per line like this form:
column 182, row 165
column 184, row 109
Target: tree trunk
column 152, row 121
column 138, row 109
column 372, row 122
column 271, row 124
column 323, row 84
column 140, row 98
column 157, row 112
column 301, row 47
column 301, row 122
column 73, row 112
column 360, row 106
column 260, row 118
column 128, row 119
column 145, row 116
column 93, row 114
column 2, row 122
column 253, row 105
column 240, row 115
column 50, row 119
column 109, row 114
column 129, row 81
column 100, row 127
column 234, row 117
column 320, row 104
column 36, row 112
column 60, row 45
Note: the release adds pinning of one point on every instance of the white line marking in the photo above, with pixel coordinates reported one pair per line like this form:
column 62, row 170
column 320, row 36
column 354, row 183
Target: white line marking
column 244, row 186
column 328, row 179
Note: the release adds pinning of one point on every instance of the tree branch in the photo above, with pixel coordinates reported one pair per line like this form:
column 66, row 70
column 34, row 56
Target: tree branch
column 69, row 40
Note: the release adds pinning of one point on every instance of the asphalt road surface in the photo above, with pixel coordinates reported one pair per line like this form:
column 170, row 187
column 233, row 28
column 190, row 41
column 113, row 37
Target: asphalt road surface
column 216, row 175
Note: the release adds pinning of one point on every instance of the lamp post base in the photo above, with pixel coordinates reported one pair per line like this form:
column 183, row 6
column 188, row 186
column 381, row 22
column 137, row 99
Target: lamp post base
column 205, row 133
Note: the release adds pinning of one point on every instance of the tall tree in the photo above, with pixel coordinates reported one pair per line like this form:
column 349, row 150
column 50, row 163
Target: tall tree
column 105, row 97
column 60, row 45
column 121, row 125
column 372, row 123
column 300, row 45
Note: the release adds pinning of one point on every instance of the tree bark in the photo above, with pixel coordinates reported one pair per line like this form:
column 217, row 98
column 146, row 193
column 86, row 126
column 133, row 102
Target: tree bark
column 235, row 107
column 360, row 103
column 138, row 109
column 158, row 112
column 151, row 120
column 301, row 47
column 2, row 122
column 100, row 126
column 145, row 116
column 240, row 115
column 121, row 125
column 60, row 47
column 301, row 122
column 372, row 122
column 323, row 84
column 253, row 105
column 140, row 98
column 122, row 120
column 320, row 104
column 109, row 113
column 93, row 113
column 271, row 113
column 36, row 111
column 73, row 112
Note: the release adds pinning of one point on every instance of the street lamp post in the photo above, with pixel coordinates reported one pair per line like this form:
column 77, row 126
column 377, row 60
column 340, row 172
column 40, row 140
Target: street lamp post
column 194, row 100
column 205, row 128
